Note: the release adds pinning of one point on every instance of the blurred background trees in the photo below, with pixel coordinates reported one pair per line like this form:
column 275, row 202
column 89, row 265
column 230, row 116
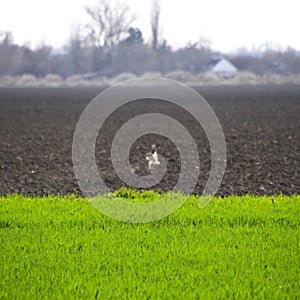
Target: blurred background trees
column 155, row 15
column 110, row 45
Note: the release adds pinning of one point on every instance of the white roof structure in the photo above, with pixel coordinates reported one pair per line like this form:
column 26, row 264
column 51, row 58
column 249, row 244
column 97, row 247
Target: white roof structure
column 224, row 66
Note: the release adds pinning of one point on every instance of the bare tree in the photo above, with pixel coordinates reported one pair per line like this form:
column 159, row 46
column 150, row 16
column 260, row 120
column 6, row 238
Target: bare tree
column 78, row 59
column 109, row 22
column 155, row 15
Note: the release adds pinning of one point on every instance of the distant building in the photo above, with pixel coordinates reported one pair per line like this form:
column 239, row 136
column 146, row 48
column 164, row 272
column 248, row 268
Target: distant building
column 278, row 68
column 223, row 68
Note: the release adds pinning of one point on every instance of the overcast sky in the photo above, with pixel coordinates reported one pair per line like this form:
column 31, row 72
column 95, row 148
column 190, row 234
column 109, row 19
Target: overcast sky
column 229, row 24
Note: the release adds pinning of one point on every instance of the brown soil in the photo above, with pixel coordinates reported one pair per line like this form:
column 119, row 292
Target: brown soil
column 261, row 127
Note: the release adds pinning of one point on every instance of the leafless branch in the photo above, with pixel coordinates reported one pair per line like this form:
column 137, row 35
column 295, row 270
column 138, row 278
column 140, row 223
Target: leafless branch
column 109, row 22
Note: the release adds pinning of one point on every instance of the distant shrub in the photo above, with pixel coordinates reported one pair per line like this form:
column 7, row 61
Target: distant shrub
column 244, row 77
column 122, row 77
column 295, row 79
column 52, row 80
column 179, row 75
column 281, row 79
column 7, row 80
column 103, row 82
column 207, row 78
column 74, row 79
column 152, row 74
column 26, row 80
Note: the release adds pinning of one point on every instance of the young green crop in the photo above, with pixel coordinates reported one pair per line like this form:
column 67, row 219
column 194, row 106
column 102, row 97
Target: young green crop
column 237, row 247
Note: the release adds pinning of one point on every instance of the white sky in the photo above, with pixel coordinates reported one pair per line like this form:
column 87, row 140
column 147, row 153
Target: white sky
column 229, row 24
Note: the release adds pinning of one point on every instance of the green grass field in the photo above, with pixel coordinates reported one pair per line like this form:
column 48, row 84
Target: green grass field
column 234, row 248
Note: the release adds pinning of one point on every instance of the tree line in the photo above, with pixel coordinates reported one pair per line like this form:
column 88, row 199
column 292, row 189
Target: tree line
column 110, row 45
